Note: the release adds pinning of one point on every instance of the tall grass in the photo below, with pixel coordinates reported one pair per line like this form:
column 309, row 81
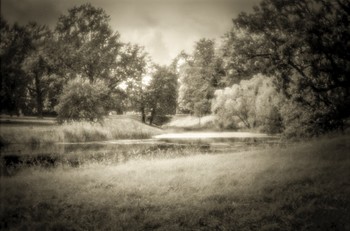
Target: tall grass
column 12, row 164
column 303, row 187
column 77, row 132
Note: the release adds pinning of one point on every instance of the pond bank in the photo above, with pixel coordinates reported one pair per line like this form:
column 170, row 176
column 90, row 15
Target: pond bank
column 17, row 156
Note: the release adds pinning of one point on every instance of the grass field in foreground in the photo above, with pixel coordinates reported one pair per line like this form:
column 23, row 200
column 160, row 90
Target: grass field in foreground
column 76, row 132
column 303, row 187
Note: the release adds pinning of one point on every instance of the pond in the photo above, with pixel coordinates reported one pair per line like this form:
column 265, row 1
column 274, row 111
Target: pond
column 169, row 145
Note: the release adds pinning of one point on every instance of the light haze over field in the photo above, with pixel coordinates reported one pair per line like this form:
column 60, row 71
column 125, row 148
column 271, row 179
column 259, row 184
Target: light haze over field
column 164, row 27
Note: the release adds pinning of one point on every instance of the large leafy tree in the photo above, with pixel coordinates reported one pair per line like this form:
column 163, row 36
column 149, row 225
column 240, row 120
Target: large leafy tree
column 88, row 46
column 240, row 51
column 15, row 46
column 162, row 93
column 37, row 65
column 305, row 44
column 199, row 77
column 133, row 65
column 89, row 49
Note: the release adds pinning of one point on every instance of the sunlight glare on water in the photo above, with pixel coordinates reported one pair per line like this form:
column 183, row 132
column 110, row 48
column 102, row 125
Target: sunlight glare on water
column 198, row 135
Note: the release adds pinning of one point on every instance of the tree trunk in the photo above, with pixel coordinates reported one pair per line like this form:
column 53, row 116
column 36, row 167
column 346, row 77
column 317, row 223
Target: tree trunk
column 143, row 115
column 153, row 114
column 39, row 97
column 245, row 121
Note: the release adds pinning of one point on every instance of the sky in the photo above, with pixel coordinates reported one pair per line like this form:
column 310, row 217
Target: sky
column 163, row 27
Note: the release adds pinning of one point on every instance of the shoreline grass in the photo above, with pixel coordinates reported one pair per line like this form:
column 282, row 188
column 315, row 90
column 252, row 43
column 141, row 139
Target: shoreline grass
column 12, row 164
column 302, row 187
column 110, row 129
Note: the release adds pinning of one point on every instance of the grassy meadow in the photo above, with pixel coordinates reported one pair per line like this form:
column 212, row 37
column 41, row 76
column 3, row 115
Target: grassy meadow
column 305, row 186
column 111, row 128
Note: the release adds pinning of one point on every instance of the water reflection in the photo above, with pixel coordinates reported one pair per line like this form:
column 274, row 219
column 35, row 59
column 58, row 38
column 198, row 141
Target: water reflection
column 17, row 156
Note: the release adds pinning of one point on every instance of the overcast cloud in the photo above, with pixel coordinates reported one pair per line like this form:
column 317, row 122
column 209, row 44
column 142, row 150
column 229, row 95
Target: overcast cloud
column 164, row 27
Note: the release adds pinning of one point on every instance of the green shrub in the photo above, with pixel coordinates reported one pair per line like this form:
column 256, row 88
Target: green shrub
column 83, row 100
column 250, row 104
column 273, row 122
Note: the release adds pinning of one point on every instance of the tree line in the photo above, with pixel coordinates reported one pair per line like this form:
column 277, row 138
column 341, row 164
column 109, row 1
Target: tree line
column 282, row 68
column 75, row 71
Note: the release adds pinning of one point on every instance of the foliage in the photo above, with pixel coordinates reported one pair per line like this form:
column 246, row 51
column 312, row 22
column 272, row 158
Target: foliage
column 37, row 65
column 199, row 77
column 87, row 43
column 252, row 103
column 87, row 47
column 302, row 44
column 15, row 46
column 300, row 121
column 162, row 93
column 133, row 66
column 83, row 100
column 268, row 104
